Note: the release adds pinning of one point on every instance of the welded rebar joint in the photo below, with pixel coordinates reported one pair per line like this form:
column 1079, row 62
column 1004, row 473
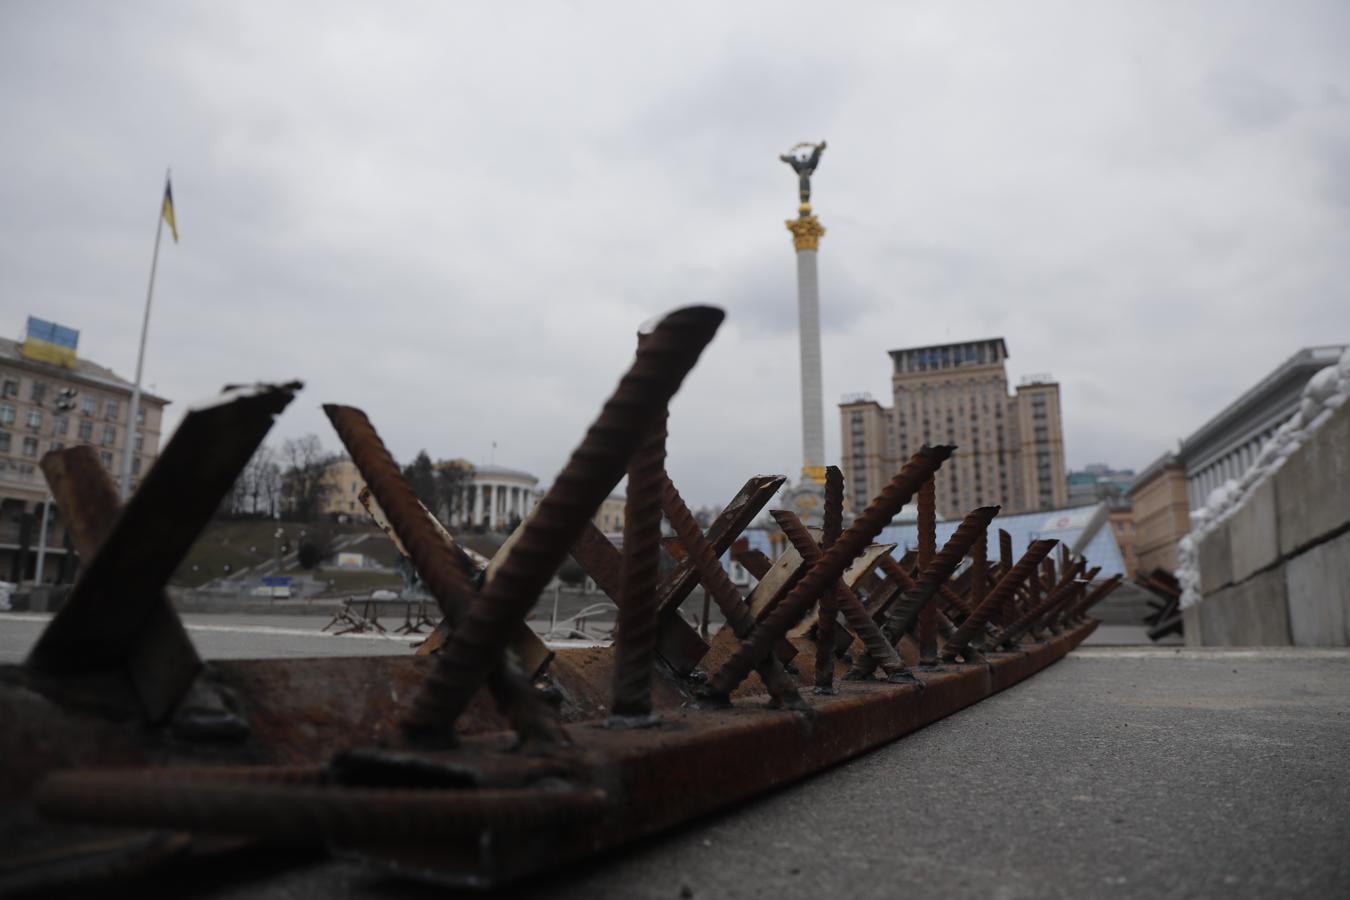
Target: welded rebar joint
column 1010, row 635
column 927, row 527
column 595, row 468
column 1097, row 594
column 734, row 609
column 973, row 627
column 636, row 625
column 874, row 642
column 833, row 525
column 831, row 565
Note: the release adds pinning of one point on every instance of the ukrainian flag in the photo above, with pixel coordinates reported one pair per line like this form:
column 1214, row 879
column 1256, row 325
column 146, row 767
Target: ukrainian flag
column 50, row 343
column 167, row 211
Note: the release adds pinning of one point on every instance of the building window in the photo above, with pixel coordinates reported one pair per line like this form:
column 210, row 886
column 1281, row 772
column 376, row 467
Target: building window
column 106, row 458
column 30, row 445
column 60, row 424
column 111, row 410
column 109, row 435
column 135, row 465
column 35, row 419
column 37, row 392
column 86, row 430
column 57, row 445
column 6, row 414
column 11, row 388
column 4, row 441
column 140, row 444
column 140, row 415
column 88, row 405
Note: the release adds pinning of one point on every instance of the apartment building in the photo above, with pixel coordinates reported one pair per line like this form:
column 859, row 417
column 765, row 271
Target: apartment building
column 1010, row 447
column 48, row 401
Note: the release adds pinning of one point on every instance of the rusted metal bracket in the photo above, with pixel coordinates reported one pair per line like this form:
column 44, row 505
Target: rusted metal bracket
column 117, row 616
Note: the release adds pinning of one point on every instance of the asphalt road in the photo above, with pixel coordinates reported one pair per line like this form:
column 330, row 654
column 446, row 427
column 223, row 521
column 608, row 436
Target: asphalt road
column 1115, row 773
column 1118, row 772
column 238, row 636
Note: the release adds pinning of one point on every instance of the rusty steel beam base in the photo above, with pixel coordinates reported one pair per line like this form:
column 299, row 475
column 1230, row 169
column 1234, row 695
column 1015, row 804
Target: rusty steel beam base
column 647, row 781
column 700, row 761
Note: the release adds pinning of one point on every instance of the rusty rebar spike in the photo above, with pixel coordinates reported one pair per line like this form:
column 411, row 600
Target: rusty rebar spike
column 903, row 616
column 1096, row 596
column 854, row 612
column 833, row 525
column 730, row 522
column 830, row 566
column 107, row 611
column 1069, row 593
column 1008, row 612
column 718, row 585
column 635, row 628
column 161, row 662
column 754, row 561
column 927, row 528
column 665, row 357
column 979, row 573
column 529, row 713
column 973, row 627
column 1065, row 613
column 1009, row 636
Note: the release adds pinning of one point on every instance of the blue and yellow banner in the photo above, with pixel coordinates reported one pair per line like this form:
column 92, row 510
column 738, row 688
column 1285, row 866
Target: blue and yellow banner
column 167, row 210
column 50, row 343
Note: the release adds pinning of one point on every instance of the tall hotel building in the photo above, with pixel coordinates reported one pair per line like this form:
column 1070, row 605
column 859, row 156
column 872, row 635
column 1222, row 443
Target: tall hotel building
column 1010, row 449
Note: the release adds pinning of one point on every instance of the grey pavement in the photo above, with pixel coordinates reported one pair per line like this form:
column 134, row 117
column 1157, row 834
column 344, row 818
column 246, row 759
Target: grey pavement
column 1118, row 772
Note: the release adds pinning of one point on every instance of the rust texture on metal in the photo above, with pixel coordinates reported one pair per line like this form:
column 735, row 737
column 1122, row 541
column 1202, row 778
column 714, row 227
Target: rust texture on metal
column 635, row 629
column 973, row 627
column 833, row 526
column 831, row 565
column 161, row 662
column 121, row 585
column 401, row 762
column 1009, row 636
column 724, row 593
column 476, row 648
column 927, row 526
column 441, row 571
column 854, row 612
column 1094, row 597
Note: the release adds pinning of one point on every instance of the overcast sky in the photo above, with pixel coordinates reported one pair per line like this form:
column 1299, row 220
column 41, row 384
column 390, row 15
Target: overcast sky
column 456, row 216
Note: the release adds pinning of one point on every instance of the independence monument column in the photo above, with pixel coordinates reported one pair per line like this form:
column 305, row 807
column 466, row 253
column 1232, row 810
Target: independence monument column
column 806, row 234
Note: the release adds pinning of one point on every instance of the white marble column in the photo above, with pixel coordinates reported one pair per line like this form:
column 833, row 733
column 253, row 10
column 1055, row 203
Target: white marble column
column 494, row 497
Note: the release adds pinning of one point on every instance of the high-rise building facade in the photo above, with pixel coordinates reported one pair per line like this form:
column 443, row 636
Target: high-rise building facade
column 48, row 404
column 1010, row 448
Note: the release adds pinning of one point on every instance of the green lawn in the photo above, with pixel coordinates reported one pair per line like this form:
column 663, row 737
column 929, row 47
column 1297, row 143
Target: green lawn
column 244, row 543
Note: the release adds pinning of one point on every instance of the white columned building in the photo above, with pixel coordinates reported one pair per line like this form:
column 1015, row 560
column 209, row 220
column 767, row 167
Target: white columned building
column 497, row 496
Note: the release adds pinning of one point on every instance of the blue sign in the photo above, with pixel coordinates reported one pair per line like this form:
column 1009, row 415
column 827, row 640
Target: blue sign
column 277, row 580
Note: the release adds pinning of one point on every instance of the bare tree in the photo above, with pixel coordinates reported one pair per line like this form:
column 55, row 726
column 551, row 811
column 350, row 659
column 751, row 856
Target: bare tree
column 304, row 485
column 452, row 477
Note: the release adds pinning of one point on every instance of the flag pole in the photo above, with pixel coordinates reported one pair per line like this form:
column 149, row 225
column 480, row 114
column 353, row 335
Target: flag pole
column 129, row 447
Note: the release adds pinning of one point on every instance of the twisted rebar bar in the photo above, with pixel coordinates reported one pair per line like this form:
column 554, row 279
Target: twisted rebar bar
column 901, row 617
column 830, row 566
column 663, row 360
column 753, row 561
column 854, row 612
column 973, row 627
column 635, row 628
column 1096, row 596
column 717, row 585
column 529, row 713
column 927, row 549
column 832, row 526
column 1009, row 636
